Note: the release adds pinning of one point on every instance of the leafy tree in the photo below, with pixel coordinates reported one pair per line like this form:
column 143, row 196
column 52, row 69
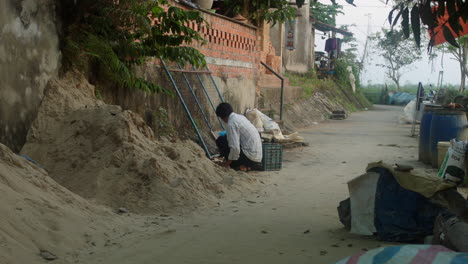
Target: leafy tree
column 325, row 13
column 461, row 56
column 116, row 36
column 259, row 11
column 397, row 51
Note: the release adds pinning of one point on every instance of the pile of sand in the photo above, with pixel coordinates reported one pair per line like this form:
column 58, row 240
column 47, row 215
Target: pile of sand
column 38, row 214
column 109, row 155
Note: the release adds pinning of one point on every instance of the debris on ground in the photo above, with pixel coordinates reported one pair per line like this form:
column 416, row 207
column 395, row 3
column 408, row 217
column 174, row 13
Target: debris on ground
column 47, row 255
column 451, row 232
column 270, row 130
column 123, row 210
column 169, row 231
column 338, row 115
column 110, row 155
column 409, row 113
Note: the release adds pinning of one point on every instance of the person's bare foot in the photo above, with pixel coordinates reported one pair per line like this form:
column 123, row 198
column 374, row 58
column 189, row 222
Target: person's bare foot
column 244, row 168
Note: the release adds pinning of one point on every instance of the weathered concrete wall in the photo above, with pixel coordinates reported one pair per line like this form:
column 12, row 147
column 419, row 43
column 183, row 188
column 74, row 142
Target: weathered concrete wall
column 277, row 38
column 299, row 60
column 271, row 96
column 29, row 57
column 239, row 92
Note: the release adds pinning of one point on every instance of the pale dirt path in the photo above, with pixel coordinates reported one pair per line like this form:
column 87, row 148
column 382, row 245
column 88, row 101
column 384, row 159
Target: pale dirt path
column 303, row 196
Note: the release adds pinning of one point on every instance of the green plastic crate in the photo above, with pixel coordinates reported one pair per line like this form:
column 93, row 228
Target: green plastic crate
column 272, row 156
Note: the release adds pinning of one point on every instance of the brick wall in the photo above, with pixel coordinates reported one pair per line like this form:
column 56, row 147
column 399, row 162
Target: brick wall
column 232, row 48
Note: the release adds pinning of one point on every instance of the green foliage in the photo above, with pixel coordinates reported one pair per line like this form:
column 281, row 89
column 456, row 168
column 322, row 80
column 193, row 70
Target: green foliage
column 325, row 13
column 447, row 95
column 397, row 51
column 97, row 93
column 308, row 82
column 348, row 58
column 119, row 35
column 259, row 11
column 460, row 54
column 329, row 87
column 342, row 74
column 408, row 88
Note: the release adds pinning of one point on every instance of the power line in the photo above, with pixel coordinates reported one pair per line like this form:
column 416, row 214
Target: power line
column 354, row 25
column 374, row 6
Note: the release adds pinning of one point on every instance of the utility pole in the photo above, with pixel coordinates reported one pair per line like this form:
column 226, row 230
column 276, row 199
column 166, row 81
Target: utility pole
column 369, row 32
column 366, row 45
column 440, row 80
column 334, row 23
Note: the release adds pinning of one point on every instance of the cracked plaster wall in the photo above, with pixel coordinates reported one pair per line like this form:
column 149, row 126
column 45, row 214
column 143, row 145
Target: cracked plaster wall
column 29, row 57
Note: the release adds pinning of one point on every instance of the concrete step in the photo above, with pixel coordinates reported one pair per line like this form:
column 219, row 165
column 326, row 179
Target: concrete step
column 269, row 80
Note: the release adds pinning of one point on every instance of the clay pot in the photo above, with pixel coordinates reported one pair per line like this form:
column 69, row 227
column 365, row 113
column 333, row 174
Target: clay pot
column 204, row 4
column 241, row 19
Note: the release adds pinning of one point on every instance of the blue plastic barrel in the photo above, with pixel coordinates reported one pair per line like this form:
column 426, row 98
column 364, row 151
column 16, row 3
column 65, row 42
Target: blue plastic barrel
column 424, row 135
column 445, row 125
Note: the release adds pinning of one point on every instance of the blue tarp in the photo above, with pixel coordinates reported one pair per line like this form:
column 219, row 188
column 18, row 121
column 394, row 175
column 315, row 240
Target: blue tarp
column 401, row 98
column 401, row 215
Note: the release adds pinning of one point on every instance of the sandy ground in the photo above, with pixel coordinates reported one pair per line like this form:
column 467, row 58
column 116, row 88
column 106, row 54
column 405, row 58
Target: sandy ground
column 292, row 218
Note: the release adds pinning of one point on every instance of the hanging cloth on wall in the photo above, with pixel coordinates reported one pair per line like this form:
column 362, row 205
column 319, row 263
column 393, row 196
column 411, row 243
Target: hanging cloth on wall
column 333, row 44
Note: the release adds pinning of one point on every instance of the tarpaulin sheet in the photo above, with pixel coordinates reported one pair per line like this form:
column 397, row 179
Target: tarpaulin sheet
column 401, row 215
column 394, row 205
column 401, row 98
column 362, row 194
column 408, row 254
column 418, row 181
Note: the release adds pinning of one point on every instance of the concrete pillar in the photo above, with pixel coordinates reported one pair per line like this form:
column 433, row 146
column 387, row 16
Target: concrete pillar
column 300, row 59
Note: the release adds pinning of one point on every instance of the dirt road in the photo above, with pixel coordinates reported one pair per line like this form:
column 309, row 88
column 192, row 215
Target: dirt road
column 292, row 218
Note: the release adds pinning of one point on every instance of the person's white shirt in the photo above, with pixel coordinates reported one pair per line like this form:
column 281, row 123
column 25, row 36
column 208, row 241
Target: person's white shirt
column 241, row 134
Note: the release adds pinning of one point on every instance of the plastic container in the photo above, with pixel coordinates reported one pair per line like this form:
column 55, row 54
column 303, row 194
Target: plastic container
column 445, row 125
column 424, row 135
column 272, row 156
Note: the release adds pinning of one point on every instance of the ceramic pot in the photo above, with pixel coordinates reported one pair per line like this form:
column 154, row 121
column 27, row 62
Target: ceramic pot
column 204, row 4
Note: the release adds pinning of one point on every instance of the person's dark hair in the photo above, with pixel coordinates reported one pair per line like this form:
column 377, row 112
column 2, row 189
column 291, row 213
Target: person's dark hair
column 224, row 110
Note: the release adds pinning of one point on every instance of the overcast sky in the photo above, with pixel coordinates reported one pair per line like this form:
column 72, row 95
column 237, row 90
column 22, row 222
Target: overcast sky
column 422, row 71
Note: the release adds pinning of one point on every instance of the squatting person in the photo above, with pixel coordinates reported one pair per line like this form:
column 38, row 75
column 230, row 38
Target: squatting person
column 242, row 145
